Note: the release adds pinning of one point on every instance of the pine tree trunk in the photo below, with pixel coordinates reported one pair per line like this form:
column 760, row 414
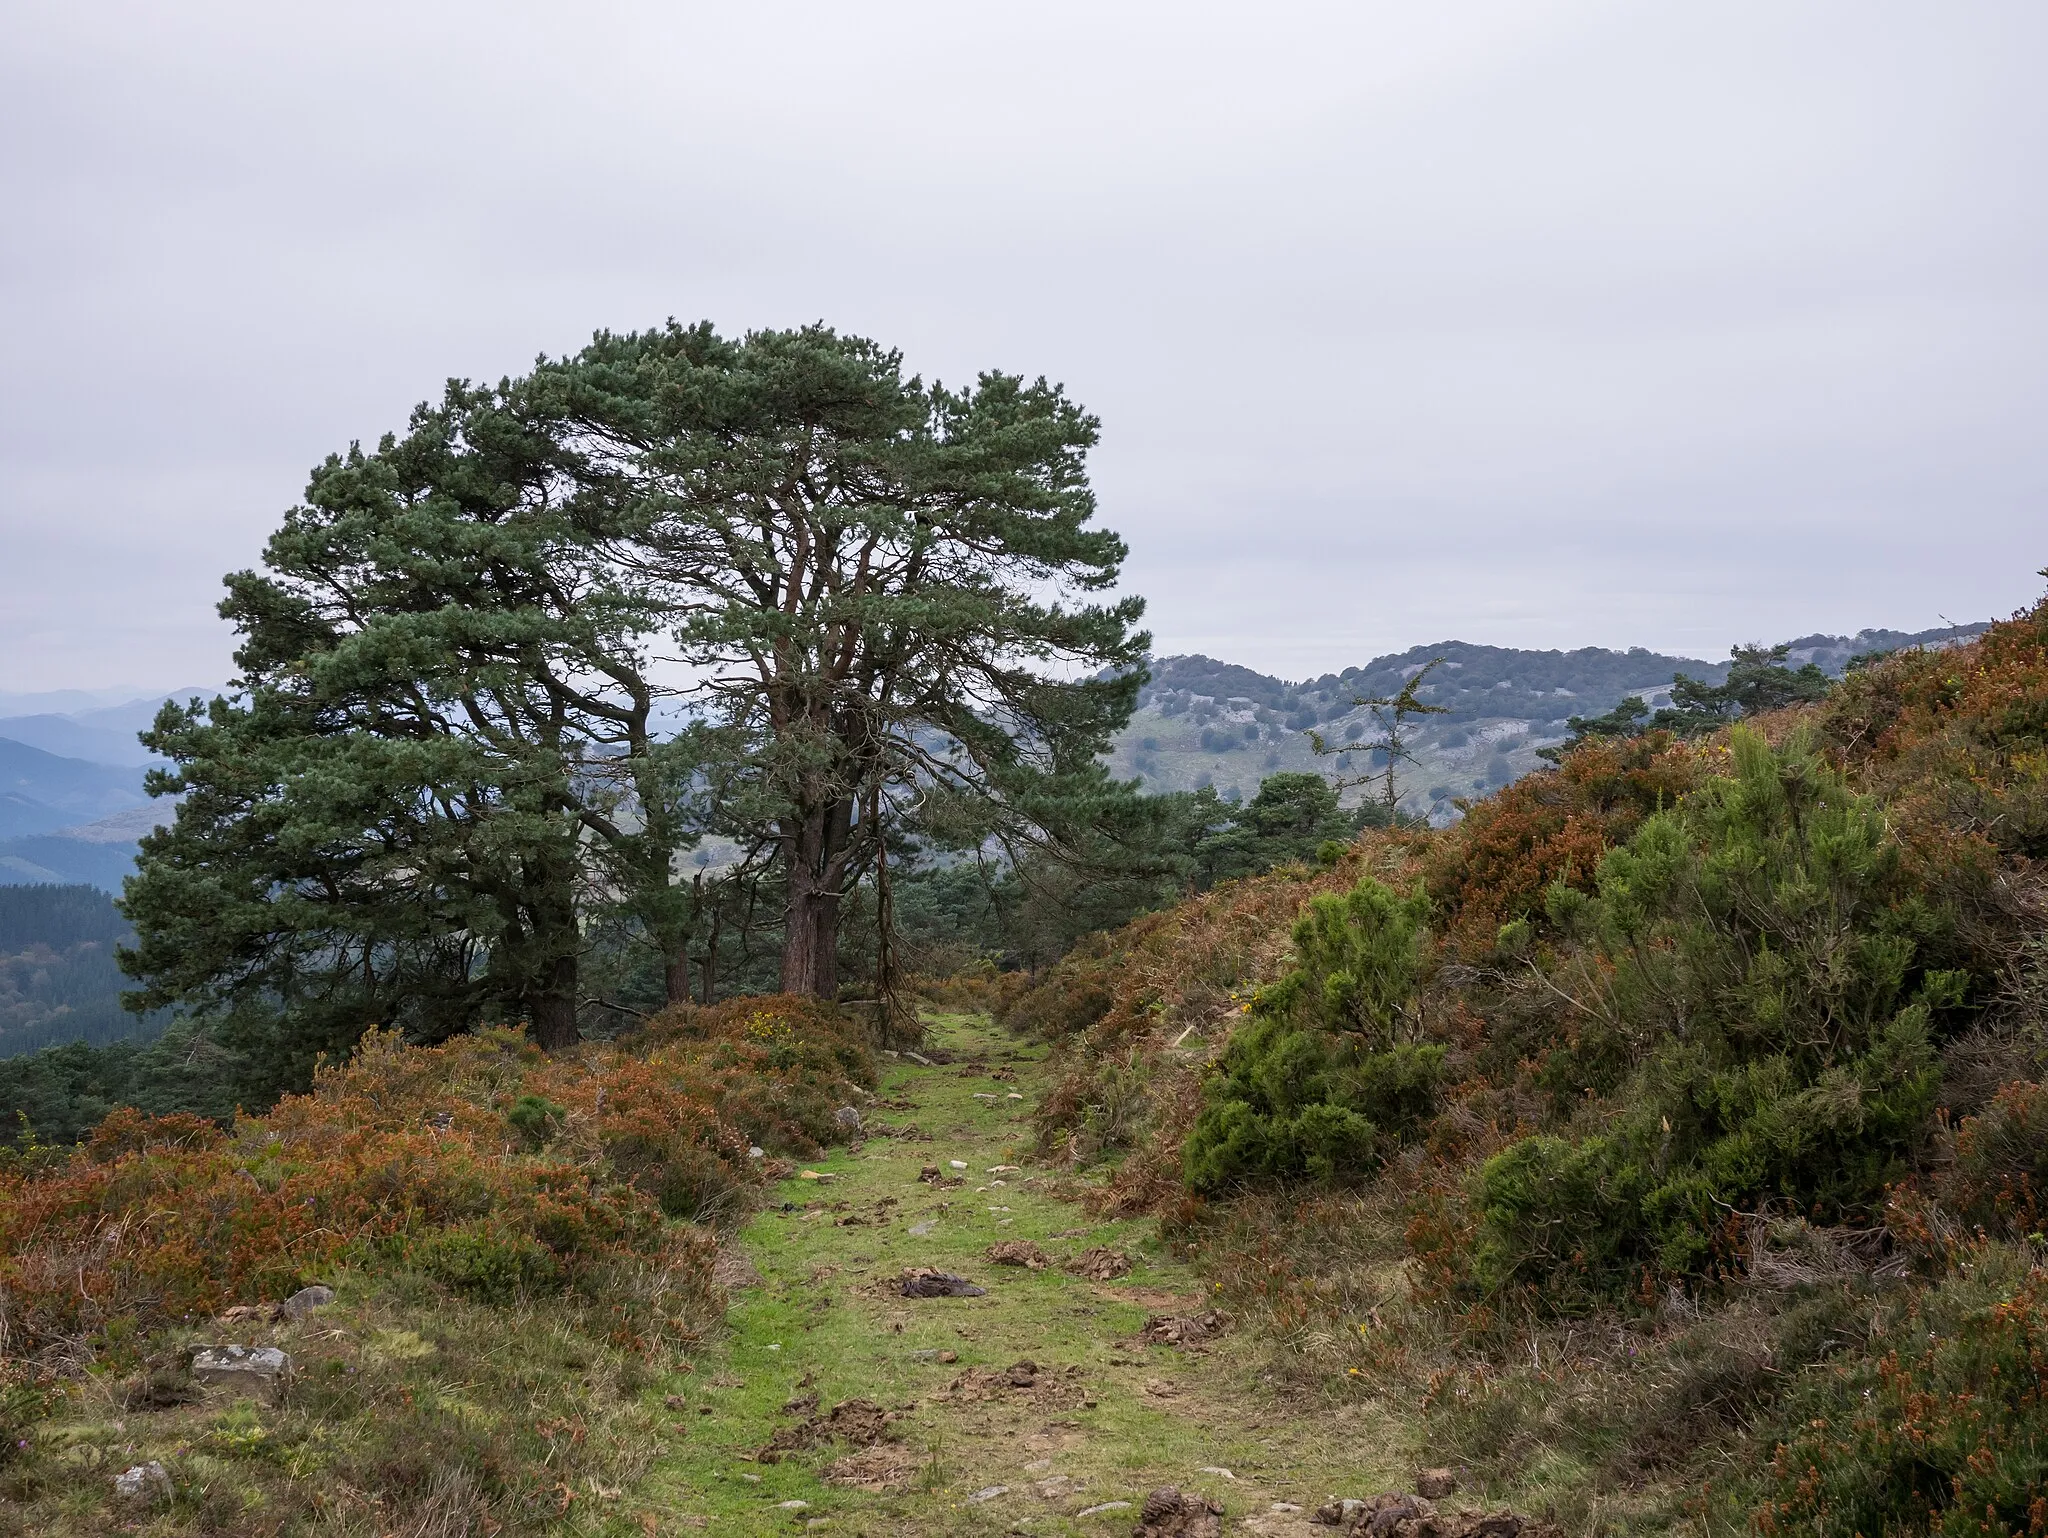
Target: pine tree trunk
column 554, row 1007
column 817, row 845
column 678, row 975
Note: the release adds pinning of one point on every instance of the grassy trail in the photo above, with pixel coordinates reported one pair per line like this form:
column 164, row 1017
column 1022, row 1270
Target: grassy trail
column 1105, row 1418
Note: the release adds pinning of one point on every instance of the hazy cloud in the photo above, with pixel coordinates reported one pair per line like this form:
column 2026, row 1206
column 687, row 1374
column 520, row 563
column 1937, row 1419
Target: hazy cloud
column 1531, row 324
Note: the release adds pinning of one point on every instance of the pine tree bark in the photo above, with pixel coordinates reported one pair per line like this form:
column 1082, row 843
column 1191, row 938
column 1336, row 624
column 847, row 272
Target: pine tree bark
column 554, row 1007
column 818, row 843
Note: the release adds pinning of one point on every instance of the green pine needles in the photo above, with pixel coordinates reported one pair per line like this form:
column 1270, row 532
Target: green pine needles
column 1327, row 1076
column 1755, row 1013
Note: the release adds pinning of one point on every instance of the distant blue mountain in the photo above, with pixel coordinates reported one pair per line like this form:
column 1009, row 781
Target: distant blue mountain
column 41, row 792
column 52, row 857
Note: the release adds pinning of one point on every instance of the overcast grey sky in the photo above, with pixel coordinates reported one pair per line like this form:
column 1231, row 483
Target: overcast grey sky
column 1541, row 324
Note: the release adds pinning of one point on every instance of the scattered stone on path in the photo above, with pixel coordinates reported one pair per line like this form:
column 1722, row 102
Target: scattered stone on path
column 1018, row 1252
column 1210, row 1468
column 848, row 1117
column 1170, row 1513
column 925, row 1282
column 304, row 1301
column 149, row 1481
column 792, row 1505
column 261, row 1372
column 1101, row 1264
column 1104, row 1509
column 1002, row 1169
column 919, row 1230
column 1184, row 1330
column 988, row 1494
column 958, row 1164
column 917, row 1057
column 1435, row 1484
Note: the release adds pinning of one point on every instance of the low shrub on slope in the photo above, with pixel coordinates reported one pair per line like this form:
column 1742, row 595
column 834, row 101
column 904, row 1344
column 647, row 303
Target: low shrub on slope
column 1579, row 1115
column 573, row 1198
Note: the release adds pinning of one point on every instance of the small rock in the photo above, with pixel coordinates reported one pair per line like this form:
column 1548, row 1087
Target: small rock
column 918, row 1057
column 1435, row 1484
column 848, row 1117
column 1002, row 1169
column 988, row 1494
column 1105, row 1507
column 1013, row 1095
column 757, row 1153
column 949, row 1356
column 792, row 1505
column 1210, row 1468
column 304, row 1301
column 259, row 1371
column 958, row 1164
column 815, row 1175
column 919, row 1230
column 149, row 1481
column 1284, row 1509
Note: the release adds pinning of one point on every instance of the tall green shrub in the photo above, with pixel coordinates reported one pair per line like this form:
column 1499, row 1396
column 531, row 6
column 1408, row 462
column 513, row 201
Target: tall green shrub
column 1753, row 1002
column 1323, row 1077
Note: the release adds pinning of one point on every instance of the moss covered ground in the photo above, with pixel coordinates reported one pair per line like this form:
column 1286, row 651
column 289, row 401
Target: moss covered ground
column 1110, row 1417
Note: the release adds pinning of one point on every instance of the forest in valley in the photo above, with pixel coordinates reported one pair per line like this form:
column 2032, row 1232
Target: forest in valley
column 631, row 763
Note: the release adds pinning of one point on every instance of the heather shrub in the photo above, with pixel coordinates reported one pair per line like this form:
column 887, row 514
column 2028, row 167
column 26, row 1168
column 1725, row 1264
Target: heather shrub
column 1752, row 963
column 1997, row 1177
column 481, row 1164
column 1939, row 1426
column 1322, row 1079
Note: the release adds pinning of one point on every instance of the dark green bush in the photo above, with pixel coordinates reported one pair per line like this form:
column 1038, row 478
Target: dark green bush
column 488, row 1262
column 1754, row 1020
column 1319, row 1083
column 537, row 1120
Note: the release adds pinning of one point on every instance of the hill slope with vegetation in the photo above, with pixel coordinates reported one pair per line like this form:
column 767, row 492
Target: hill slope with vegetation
column 1206, row 723
column 1670, row 1131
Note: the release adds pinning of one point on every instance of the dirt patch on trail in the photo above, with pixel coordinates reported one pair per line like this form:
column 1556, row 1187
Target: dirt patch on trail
column 1169, row 1513
column 1043, row 1387
column 1101, row 1264
column 925, row 1282
column 858, row 1422
column 1399, row 1515
column 885, row 1466
column 1154, row 1299
column 1184, row 1329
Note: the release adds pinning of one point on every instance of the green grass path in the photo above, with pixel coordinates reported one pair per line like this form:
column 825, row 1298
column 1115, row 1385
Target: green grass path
column 825, row 1318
